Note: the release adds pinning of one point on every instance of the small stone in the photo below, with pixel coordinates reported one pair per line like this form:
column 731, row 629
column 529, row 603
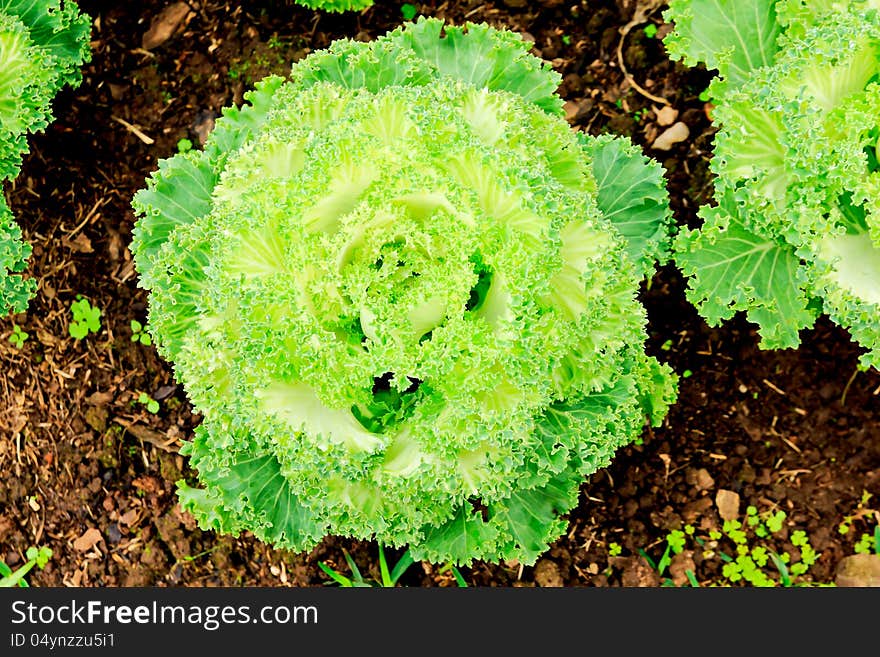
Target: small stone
column 674, row 134
column 666, row 115
column 547, row 574
column 113, row 533
column 727, row 502
column 96, row 417
column 636, row 572
column 575, row 110
column 704, row 479
column 859, row 570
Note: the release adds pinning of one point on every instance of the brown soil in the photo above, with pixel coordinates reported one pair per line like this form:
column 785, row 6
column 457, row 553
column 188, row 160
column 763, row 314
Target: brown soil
column 89, row 471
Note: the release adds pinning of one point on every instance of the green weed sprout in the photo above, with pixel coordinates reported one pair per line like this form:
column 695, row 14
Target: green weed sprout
column 868, row 543
column 408, row 11
column 85, row 318
column 387, row 578
column 151, row 404
column 18, row 336
column 138, row 334
column 38, row 557
column 750, row 561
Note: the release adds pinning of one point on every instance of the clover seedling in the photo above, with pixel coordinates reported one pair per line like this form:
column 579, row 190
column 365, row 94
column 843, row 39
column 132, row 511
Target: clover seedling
column 86, row 318
column 151, row 404
column 408, row 11
column 18, row 336
column 138, row 334
column 38, row 557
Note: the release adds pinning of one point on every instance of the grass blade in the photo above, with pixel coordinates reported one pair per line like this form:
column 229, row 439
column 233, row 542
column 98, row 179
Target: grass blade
column 400, row 567
column 339, row 578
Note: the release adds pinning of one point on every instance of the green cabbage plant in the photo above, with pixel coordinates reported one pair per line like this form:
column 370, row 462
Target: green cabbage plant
column 795, row 227
column 402, row 293
column 42, row 46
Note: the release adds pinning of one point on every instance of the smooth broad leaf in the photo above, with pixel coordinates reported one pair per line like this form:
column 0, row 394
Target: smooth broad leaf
column 632, row 195
column 732, row 269
column 252, row 490
column 733, row 36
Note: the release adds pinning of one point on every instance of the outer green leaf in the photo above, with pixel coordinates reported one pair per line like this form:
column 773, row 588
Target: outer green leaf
column 796, row 168
column 632, row 195
column 250, row 493
column 734, row 269
column 179, row 192
column 15, row 290
column 734, row 36
column 419, row 52
column 462, row 539
column 483, row 57
column 532, row 517
column 26, row 88
column 42, row 45
column 336, row 6
column 60, row 29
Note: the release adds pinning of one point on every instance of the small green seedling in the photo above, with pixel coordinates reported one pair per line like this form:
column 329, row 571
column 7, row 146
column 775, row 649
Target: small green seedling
column 138, row 334
column 675, row 543
column 650, row 30
column 869, row 544
column 408, row 11
column 151, row 404
column 38, row 557
column 18, row 336
column 184, row 145
column 388, row 578
column 86, row 318
column 749, row 562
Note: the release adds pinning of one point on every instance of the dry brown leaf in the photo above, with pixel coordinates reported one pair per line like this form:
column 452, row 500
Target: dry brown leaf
column 88, row 540
column 80, row 244
column 164, row 25
column 160, row 440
